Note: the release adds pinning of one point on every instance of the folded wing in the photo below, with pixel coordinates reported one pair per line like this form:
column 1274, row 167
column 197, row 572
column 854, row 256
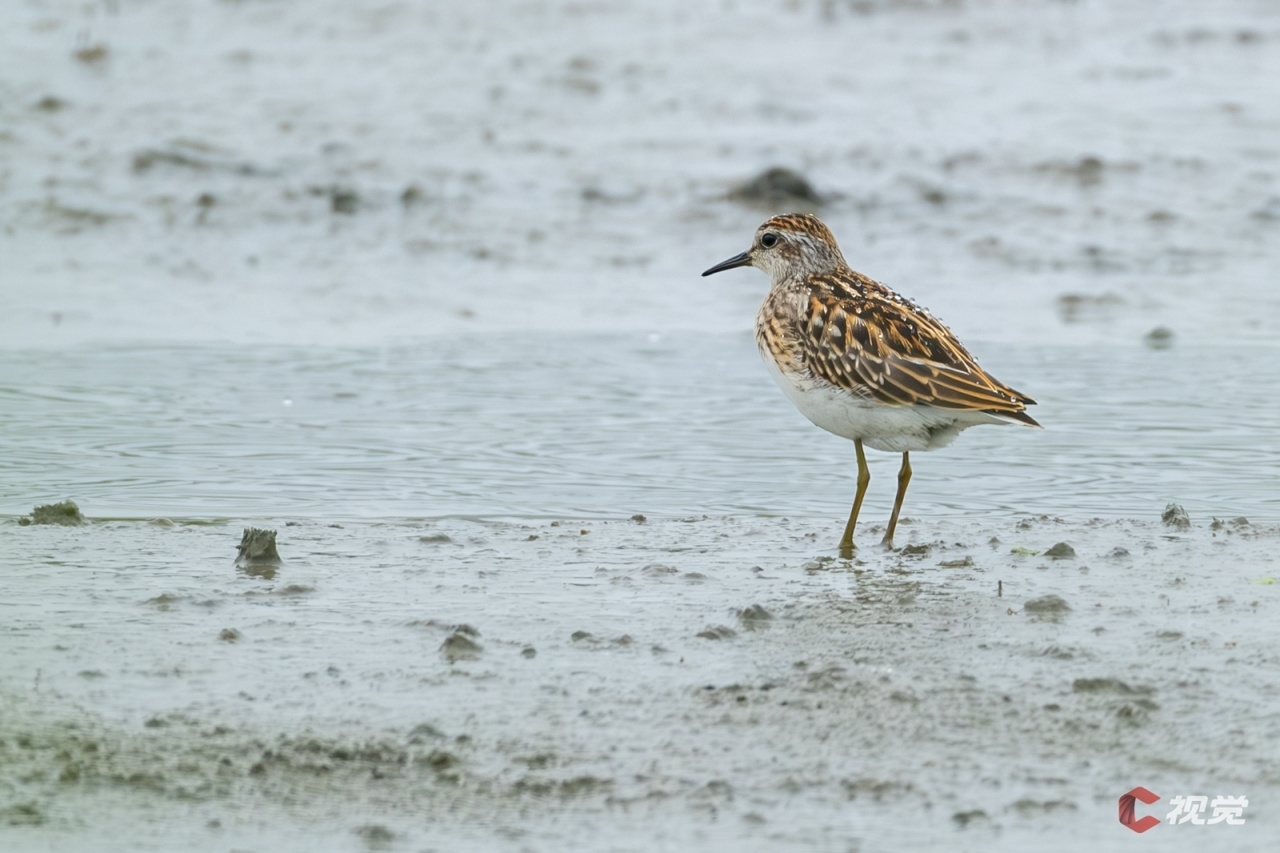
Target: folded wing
column 895, row 353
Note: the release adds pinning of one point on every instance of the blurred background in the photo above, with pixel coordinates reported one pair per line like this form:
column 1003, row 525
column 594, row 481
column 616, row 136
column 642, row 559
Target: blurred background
column 267, row 171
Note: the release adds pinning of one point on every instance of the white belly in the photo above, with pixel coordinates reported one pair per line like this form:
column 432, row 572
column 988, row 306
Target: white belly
column 894, row 429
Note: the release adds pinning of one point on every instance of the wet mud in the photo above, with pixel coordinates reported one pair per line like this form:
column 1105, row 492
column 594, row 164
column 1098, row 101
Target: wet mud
column 719, row 680
column 65, row 513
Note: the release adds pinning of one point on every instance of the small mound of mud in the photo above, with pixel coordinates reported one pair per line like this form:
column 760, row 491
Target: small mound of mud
column 375, row 835
column 460, row 646
column 1047, row 605
column 754, row 617
column 50, row 104
column 22, row 814
column 194, row 156
column 257, row 548
column 92, row 54
column 963, row 819
column 777, row 186
column 1060, row 551
column 1176, row 517
column 1088, row 307
column 1106, row 685
column 1161, row 337
column 65, row 513
column 1087, row 171
column 343, row 200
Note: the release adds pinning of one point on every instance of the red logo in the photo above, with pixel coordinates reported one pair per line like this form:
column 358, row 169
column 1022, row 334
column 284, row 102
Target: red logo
column 1126, row 809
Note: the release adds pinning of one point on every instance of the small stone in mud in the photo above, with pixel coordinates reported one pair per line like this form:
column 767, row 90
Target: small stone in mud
column 1086, row 307
column 1176, row 517
column 419, row 733
column 22, row 814
column 579, row 636
column 638, row 518
column 1161, row 337
column 375, row 835
column 439, row 760
column 458, row 646
column 412, row 195
column 1087, row 170
column 718, row 632
column 963, row 819
column 229, row 635
column 1046, row 604
column 1029, row 807
column 777, row 186
column 258, row 548
column 529, row 652
column 92, row 54
column 50, row 104
column 1061, row 551
column 754, row 616
column 343, row 200
column 1104, row 685
column 65, row 513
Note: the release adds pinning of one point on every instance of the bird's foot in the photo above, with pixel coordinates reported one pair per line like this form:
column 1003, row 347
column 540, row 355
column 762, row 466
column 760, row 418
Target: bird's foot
column 846, row 550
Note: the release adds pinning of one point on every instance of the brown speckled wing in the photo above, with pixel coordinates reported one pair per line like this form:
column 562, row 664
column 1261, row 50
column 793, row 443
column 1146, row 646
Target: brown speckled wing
column 891, row 351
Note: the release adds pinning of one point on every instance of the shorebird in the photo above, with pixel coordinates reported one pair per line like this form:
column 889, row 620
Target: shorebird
column 862, row 362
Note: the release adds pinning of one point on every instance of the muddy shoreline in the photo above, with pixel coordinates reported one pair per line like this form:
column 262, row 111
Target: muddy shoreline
column 690, row 681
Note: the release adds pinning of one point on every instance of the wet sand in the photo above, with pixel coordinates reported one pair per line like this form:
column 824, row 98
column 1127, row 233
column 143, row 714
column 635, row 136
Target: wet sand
column 630, row 684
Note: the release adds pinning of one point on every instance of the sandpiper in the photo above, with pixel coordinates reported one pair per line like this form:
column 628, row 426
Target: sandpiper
column 862, row 362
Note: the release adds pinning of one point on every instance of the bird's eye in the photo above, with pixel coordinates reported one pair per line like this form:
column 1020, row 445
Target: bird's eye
column 769, row 240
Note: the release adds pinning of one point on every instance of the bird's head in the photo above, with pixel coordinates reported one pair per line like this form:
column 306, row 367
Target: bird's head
column 789, row 245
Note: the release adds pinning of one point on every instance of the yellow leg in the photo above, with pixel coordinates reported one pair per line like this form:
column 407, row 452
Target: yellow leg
column 864, row 477
column 904, row 477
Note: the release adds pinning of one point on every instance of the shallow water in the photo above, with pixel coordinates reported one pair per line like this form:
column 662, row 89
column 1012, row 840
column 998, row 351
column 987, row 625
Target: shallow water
column 416, row 285
column 535, row 425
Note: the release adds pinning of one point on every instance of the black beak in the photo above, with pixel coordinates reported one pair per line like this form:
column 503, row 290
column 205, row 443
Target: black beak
column 743, row 260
